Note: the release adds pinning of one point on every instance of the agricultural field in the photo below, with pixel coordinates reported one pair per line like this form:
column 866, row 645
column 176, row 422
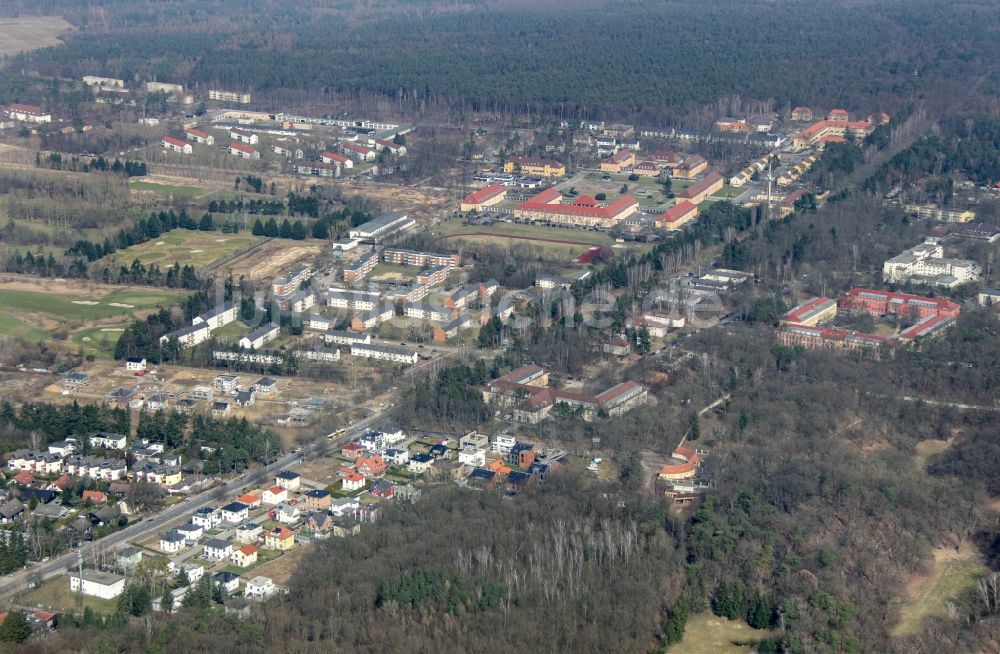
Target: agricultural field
column 31, row 33
column 187, row 247
column 168, row 189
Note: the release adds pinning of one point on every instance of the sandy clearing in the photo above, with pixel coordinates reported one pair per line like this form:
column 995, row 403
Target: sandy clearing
column 89, row 303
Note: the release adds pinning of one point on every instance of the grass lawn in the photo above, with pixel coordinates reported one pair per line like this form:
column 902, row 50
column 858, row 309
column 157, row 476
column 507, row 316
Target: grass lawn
column 99, row 341
column 120, row 302
column 508, row 234
column 953, row 574
column 186, row 247
column 11, row 326
column 168, row 189
column 394, row 270
column 706, row 633
column 55, row 595
column 728, row 192
column 232, row 332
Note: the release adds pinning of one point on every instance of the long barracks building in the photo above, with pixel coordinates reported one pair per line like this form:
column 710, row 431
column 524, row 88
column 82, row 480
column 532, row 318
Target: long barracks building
column 547, row 207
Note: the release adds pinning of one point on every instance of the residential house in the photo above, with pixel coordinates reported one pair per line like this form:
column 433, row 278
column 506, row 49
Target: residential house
column 318, row 499
column 352, row 450
column 217, row 549
column 274, row 495
column 352, row 481
column 279, row 538
column 288, row 514
column 191, row 532
column 259, row 588
column 318, row 521
column 228, row 581
column 420, row 463
column 261, row 336
column 266, row 387
column 248, row 533
column 395, row 457
column 94, row 497
column 221, row 409
column 245, row 398
column 108, row 441
column 370, row 466
column 172, row 542
column 245, row 556
column 207, row 517
column 383, row 489
column 288, row 480
column 235, row 512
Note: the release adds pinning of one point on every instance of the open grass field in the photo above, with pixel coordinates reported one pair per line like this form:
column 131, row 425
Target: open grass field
column 55, row 595
column 11, row 326
column 553, row 241
column 706, row 633
column 952, row 573
column 187, row 247
column 169, row 189
column 31, row 33
column 86, row 306
column 98, row 341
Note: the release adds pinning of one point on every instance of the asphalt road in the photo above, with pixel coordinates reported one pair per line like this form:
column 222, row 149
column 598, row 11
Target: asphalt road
column 137, row 531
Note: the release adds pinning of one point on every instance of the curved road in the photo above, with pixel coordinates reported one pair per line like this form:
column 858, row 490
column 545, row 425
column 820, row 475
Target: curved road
column 59, row 564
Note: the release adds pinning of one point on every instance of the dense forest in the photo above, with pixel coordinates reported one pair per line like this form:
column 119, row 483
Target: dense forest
column 511, row 56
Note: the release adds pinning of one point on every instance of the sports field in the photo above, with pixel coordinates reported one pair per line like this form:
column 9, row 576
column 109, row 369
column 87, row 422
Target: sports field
column 168, row 189
column 30, row 33
column 187, row 246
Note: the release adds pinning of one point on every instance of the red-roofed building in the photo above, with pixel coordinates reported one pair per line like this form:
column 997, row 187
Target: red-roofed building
column 647, row 168
column 359, row 152
column 678, row 215
column 94, row 497
column 733, row 126
column 838, row 114
column 352, row 450
column 819, row 130
column 242, row 151
column 702, row 189
column 487, row 197
column 395, row 148
column 245, row 556
column 250, row 499
column 352, row 481
column 243, row 136
column 691, row 167
column 199, row 136
column 62, row 483
column 328, row 157
column 619, row 161
column 802, row 113
column 787, row 204
column 547, row 207
column 24, row 478
column 28, row 113
column 830, row 338
column 812, row 312
column 370, row 466
column 177, row 145
column 535, row 166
